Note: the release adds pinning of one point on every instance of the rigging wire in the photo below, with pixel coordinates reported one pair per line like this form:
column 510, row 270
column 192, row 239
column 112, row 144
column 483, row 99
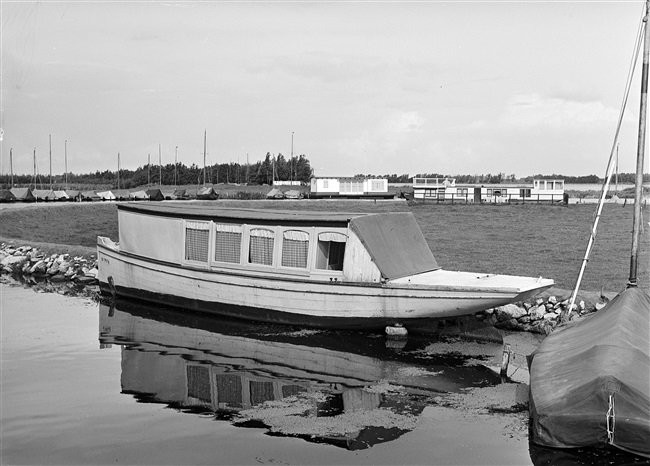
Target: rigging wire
column 610, row 164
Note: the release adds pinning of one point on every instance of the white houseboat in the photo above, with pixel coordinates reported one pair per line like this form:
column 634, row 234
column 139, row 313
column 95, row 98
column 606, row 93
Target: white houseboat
column 349, row 188
column 446, row 189
column 318, row 269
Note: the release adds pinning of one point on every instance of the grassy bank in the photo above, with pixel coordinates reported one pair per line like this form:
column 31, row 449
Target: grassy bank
column 534, row 240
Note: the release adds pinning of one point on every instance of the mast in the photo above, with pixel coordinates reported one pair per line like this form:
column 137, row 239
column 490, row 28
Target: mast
column 617, row 169
column 291, row 164
column 148, row 169
column 11, row 166
column 66, row 163
column 638, row 187
column 50, row 161
column 118, row 170
column 34, row 168
column 175, row 164
column 205, row 139
column 159, row 166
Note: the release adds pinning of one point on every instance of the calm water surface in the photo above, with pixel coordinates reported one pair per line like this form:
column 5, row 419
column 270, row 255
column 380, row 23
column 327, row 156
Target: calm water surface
column 84, row 383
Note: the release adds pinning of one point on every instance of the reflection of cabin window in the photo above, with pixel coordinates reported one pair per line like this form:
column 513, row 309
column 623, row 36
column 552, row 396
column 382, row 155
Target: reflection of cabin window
column 197, row 238
column 261, row 247
column 261, row 392
column 330, row 251
column 292, row 390
column 227, row 243
column 229, row 389
column 295, row 247
column 198, row 383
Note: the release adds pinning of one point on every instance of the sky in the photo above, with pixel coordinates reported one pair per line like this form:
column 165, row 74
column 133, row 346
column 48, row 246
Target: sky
column 465, row 87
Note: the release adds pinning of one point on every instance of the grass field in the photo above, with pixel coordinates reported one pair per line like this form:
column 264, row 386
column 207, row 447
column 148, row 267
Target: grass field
column 533, row 240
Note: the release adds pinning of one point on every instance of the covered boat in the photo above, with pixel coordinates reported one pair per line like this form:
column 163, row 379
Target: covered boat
column 23, row 194
column 590, row 382
column 319, row 269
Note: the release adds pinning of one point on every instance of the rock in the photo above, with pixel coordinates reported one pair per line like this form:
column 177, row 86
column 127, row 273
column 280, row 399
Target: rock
column 524, row 319
column 550, row 316
column 15, row 261
column 538, row 312
column 509, row 311
column 552, row 300
column 40, row 266
column 599, row 306
column 58, row 278
column 91, row 273
column 511, row 324
column 539, row 301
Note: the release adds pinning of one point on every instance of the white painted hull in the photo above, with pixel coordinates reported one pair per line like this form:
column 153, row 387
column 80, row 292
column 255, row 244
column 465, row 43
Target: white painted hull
column 307, row 302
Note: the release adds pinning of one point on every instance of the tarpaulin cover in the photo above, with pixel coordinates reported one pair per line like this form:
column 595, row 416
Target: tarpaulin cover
column 599, row 365
column 23, row 194
column 395, row 243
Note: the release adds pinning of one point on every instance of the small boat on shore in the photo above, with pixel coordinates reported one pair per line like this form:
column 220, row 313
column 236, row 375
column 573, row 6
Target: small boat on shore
column 316, row 269
column 590, row 381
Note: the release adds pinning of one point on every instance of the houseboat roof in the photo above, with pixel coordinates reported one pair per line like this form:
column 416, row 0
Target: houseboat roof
column 393, row 240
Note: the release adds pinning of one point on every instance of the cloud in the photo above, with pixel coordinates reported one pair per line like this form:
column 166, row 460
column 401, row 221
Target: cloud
column 534, row 110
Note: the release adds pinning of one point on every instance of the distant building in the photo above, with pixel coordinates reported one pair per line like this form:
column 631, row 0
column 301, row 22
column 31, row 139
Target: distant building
column 446, row 189
column 349, row 188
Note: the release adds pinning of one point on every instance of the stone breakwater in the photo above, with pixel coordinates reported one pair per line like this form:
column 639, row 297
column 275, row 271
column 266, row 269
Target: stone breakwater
column 27, row 261
column 539, row 316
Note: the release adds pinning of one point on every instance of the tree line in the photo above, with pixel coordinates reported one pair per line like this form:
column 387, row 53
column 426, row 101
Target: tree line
column 272, row 168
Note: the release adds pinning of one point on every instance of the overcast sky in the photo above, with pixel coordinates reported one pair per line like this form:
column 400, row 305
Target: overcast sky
column 517, row 87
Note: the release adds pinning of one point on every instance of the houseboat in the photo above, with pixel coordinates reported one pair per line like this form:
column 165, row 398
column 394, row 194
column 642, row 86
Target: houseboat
column 446, row 189
column 317, row 269
column 349, row 188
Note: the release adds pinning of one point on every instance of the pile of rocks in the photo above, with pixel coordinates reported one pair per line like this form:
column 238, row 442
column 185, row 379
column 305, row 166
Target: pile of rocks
column 29, row 261
column 540, row 316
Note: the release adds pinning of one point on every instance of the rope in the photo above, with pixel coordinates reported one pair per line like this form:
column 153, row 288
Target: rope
column 610, row 166
column 610, row 420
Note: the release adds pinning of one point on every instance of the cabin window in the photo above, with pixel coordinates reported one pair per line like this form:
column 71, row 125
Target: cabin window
column 260, row 250
column 462, row 192
column 227, row 243
column 489, row 193
column 524, row 192
column 197, row 240
column 330, row 251
column 295, row 249
column 377, row 185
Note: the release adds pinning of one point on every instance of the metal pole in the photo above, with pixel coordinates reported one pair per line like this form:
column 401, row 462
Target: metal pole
column 638, row 191
column 50, row 161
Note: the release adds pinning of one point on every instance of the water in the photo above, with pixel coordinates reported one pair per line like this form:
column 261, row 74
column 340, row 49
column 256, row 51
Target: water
column 84, row 383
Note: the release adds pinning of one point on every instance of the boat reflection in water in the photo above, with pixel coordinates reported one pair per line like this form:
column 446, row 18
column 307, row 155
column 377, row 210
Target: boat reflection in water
column 344, row 388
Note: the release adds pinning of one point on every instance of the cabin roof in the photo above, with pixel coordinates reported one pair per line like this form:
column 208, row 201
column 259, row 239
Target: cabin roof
column 207, row 211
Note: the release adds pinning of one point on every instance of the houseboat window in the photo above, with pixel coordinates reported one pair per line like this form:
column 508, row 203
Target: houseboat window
column 489, row 193
column 197, row 239
column 376, row 185
column 326, row 184
column 462, row 191
column 295, row 248
column 260, row 250
column 330, row 251
column 227, row 243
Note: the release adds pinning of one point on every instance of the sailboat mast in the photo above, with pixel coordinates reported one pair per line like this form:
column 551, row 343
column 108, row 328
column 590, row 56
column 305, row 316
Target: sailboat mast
column 205, row 142
column 66, row 163
column 118, row 170
column 50, row 161
column 640, row 155
column 159, row 166
column 11, row 165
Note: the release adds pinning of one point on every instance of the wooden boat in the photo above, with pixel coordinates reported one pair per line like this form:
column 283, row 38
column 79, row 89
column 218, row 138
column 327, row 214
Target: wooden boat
column 318, row 269
column 590, row 381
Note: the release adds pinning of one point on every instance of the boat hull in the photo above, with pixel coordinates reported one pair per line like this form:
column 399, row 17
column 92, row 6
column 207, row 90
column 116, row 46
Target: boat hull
column 290, row 300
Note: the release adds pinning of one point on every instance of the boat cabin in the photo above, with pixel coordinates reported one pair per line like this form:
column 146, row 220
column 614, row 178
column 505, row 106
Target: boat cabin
column 320, row 246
